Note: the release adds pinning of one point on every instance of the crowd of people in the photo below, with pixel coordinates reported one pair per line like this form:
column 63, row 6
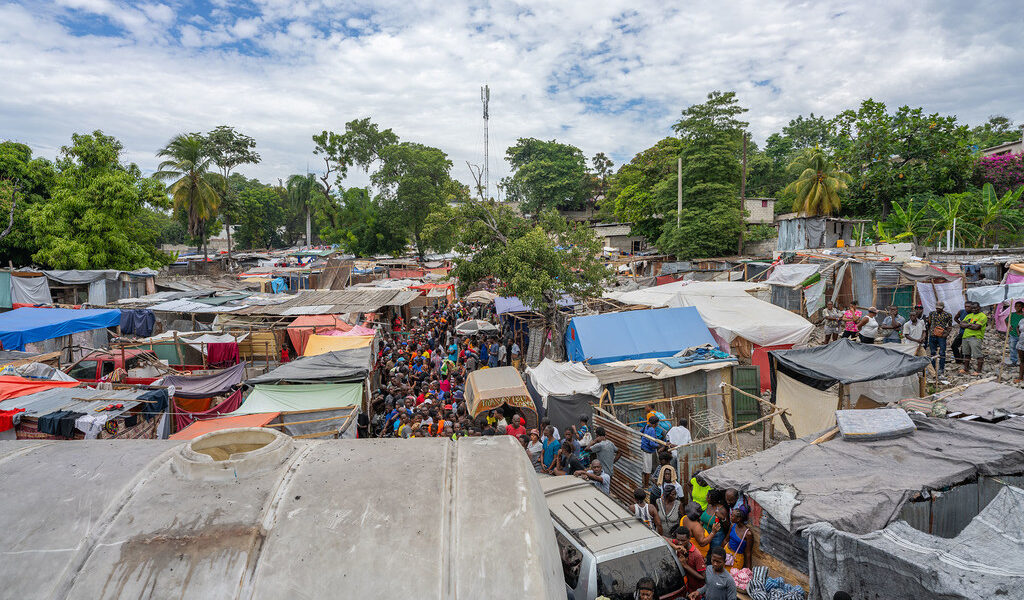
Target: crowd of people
column 930, row 332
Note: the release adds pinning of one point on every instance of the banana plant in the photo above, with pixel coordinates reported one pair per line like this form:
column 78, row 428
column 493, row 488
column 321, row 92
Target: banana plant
column 946, row 211
column 997, row 214
column 906, row 222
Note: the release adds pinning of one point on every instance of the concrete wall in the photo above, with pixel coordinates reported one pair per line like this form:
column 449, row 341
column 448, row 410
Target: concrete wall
column 624, row 243
column 760, row 210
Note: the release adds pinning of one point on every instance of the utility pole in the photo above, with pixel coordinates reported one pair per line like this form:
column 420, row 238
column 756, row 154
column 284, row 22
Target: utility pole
column 743, row 193
column 485, row 98
column 679, row 194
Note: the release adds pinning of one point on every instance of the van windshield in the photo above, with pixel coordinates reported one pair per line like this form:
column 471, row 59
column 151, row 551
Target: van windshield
column 616, row 578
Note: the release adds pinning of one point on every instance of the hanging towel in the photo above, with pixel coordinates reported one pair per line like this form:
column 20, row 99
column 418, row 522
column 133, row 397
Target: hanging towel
column 222, row 355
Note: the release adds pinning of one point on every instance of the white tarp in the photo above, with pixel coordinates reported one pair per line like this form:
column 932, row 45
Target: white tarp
column 950, row 293
column 814, row 297
column 791, row 275
column 197, row 341
column 810, row 410
column 563, row 379
column 728, row 309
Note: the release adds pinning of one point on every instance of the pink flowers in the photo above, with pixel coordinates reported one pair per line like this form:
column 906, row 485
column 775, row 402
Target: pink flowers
column 1004, row 172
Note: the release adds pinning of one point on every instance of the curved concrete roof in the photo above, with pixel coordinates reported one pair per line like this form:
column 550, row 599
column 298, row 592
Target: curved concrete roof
column 419, row 518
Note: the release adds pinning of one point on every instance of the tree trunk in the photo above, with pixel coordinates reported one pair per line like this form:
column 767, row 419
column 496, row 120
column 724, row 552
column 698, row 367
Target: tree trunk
column 227, row 227
column 309, row 228
column 206, row 245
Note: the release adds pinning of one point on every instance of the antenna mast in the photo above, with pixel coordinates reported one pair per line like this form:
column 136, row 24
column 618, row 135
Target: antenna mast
column 485, row 97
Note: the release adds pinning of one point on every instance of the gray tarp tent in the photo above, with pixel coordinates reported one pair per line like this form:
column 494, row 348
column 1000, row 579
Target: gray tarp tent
column 207, row 386
column 986, row 560
column 339, row 366
column 989, row 400
column 861, row 486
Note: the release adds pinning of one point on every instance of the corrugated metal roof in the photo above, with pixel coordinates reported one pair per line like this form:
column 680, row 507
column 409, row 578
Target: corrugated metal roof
column 342, row 301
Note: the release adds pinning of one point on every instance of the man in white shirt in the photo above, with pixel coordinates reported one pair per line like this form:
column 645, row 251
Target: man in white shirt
column 913, row 330
column 515, row 355
column 679, row 435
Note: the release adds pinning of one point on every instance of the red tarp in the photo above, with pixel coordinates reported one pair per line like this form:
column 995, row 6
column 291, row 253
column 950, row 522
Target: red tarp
column 303, row 327
column 200, row 427
column 12, row 386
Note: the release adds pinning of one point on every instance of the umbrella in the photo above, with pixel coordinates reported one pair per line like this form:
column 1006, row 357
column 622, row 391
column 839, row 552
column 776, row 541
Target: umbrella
column 481, row 296
column 474, row 327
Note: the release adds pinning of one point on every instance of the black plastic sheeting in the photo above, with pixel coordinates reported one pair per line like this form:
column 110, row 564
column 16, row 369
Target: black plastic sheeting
column 340, row 366
column 843, row 361
column 565, row 411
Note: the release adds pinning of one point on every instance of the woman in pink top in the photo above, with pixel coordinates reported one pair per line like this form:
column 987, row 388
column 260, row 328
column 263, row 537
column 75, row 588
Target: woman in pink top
column 850, row 319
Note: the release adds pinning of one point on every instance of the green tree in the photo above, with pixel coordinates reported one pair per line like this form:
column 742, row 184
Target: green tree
column 25, row 181
column 546, row 175
column 193, row 187
column 819, row 183
column 360, row 225
column 996, row 215
column 602, row 175
column 94, row 218
column 712, row 219
column 362, row 144
column 536, row 261
column 414, row 180
column 644, row 189
column 951, row 212
column 304, row 193
column 905, row 223
column 229, row 149
column 260, row 217
column 999, row 129
column 900, row 154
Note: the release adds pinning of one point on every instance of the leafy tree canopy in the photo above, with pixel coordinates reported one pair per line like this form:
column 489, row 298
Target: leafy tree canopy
column 260, row 217
column 360, row 225
column 25, row 181
column 95, row 217
column 999, row 129
column 644, row 189
column 546, row 175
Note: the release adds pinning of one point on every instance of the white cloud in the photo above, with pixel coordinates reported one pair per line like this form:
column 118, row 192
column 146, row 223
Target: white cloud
column 608, row 77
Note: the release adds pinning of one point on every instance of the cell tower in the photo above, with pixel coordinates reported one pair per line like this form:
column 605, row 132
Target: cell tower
column 485, row 97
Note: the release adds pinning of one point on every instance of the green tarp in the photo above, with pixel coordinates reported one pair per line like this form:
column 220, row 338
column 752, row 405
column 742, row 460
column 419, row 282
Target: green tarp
column 290, row 398
column 5, row 289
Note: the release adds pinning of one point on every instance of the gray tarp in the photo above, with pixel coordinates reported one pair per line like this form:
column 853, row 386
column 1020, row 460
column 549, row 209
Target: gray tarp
column 340, row 366
column 989, row 400
column 81, row 277
column 206, row 386
column 986, row 560
column 844, row 361
column 30, row 290
column 861, row 486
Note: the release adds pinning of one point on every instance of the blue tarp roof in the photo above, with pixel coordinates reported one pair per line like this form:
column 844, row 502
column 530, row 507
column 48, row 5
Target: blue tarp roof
column 26, row 325
column 513, row 304
column 635, row 334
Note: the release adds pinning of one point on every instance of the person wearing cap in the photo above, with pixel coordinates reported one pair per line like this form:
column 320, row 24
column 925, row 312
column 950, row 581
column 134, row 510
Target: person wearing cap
column 868, row 326
column 940, row 323
column 535, row 449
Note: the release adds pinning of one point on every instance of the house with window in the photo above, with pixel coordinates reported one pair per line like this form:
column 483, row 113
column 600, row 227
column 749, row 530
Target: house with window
column 760, row 211
column 618, row 237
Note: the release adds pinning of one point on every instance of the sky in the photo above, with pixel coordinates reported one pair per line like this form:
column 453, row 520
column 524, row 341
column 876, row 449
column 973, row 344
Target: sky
column 605, row 76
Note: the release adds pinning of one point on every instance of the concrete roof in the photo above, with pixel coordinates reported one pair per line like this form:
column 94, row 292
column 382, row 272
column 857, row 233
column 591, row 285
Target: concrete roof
column 276, row 518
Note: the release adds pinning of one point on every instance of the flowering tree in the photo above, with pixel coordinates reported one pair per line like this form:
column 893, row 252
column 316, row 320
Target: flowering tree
column 1005, row 172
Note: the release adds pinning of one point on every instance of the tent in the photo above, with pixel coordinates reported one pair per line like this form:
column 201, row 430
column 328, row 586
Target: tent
column 474, row 327
column 290, row 398
column 330, row 367
column 198, row 428
column 728, row 310
column 356, row 330
column 813, row 382
column 985, row 560
column 487, row 389
column 566, row 390
column 481, row 296
column 301, row 328
column 861, row 486
column 636, row 334
column 319, row 344
column 206, row 386
column 27, row 325
column 512, row 304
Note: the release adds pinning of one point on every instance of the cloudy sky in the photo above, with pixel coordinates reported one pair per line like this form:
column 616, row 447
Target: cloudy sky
column 605, row 76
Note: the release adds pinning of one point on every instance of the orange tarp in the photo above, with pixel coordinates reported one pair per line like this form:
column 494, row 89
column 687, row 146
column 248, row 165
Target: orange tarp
column 198, row 428
column 194, row 404
column 303, row 327
column 12, row 386
column 320, row 344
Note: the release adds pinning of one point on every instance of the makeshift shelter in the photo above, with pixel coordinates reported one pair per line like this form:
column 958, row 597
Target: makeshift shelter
column 481, row 296
column 12, row 386
column 985, row 560
column 812, row 383
column 206, row 386
column 487, row 389
column 52, row 413
column 636, row 334
column 990, row 401
column 319, row 344
column 291, row 398
column 513, row 304
column 339, row 366
column 566, row 390
column 301, row 328
column 198, row 428
column 187, row 411
column 29, row 325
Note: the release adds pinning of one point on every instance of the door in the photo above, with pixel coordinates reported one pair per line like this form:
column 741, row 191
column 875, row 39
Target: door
column 744, row 408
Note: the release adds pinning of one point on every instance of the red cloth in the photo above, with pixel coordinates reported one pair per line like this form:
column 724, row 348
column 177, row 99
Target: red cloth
column 182, row 417
column 7, row 418
column 222, row 355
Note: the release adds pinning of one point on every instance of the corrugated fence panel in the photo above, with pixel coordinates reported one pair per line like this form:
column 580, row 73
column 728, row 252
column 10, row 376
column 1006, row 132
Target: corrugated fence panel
column 627, row 475
column 777, row 541
column 696, row 457
column 918, row 515
column 954, row 509
column 635, row 391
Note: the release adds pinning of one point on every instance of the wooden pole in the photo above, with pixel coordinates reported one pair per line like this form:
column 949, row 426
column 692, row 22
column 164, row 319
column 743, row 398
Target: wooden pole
column 679, row 193
column 743, row 195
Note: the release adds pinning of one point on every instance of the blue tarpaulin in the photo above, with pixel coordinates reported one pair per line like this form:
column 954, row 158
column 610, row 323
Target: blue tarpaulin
column 278, row 285
column 26, row 325
column 635, row 334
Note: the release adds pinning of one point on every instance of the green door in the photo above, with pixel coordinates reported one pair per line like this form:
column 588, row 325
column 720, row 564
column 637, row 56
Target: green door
column 744, row 408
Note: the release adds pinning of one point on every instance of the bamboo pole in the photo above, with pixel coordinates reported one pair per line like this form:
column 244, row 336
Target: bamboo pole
column 782, row 413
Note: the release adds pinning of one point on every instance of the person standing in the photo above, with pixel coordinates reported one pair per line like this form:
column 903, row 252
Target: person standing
column 940, row 323
column 645, row 511
column 832, row 319
column 604, row 450
column 1013, row 330
column 515, row 355
column 851, row 320
column 868, row 326
column 973, row 323
column 690, row 558
column 670, row 507
column 597, row 476
column 718, row 583
column 502, row 355
column 649, row 448
column 892, row 325
column 494, row 354
column 957, row 346
column 914, row 330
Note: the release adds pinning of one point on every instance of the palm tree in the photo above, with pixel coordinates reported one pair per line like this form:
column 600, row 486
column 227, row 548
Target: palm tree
column 303, row 192
column 192, row 184
column 818, row 184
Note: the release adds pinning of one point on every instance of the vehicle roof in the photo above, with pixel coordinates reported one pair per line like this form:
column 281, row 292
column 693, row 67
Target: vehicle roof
column 595, row 519
column 418, row 518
